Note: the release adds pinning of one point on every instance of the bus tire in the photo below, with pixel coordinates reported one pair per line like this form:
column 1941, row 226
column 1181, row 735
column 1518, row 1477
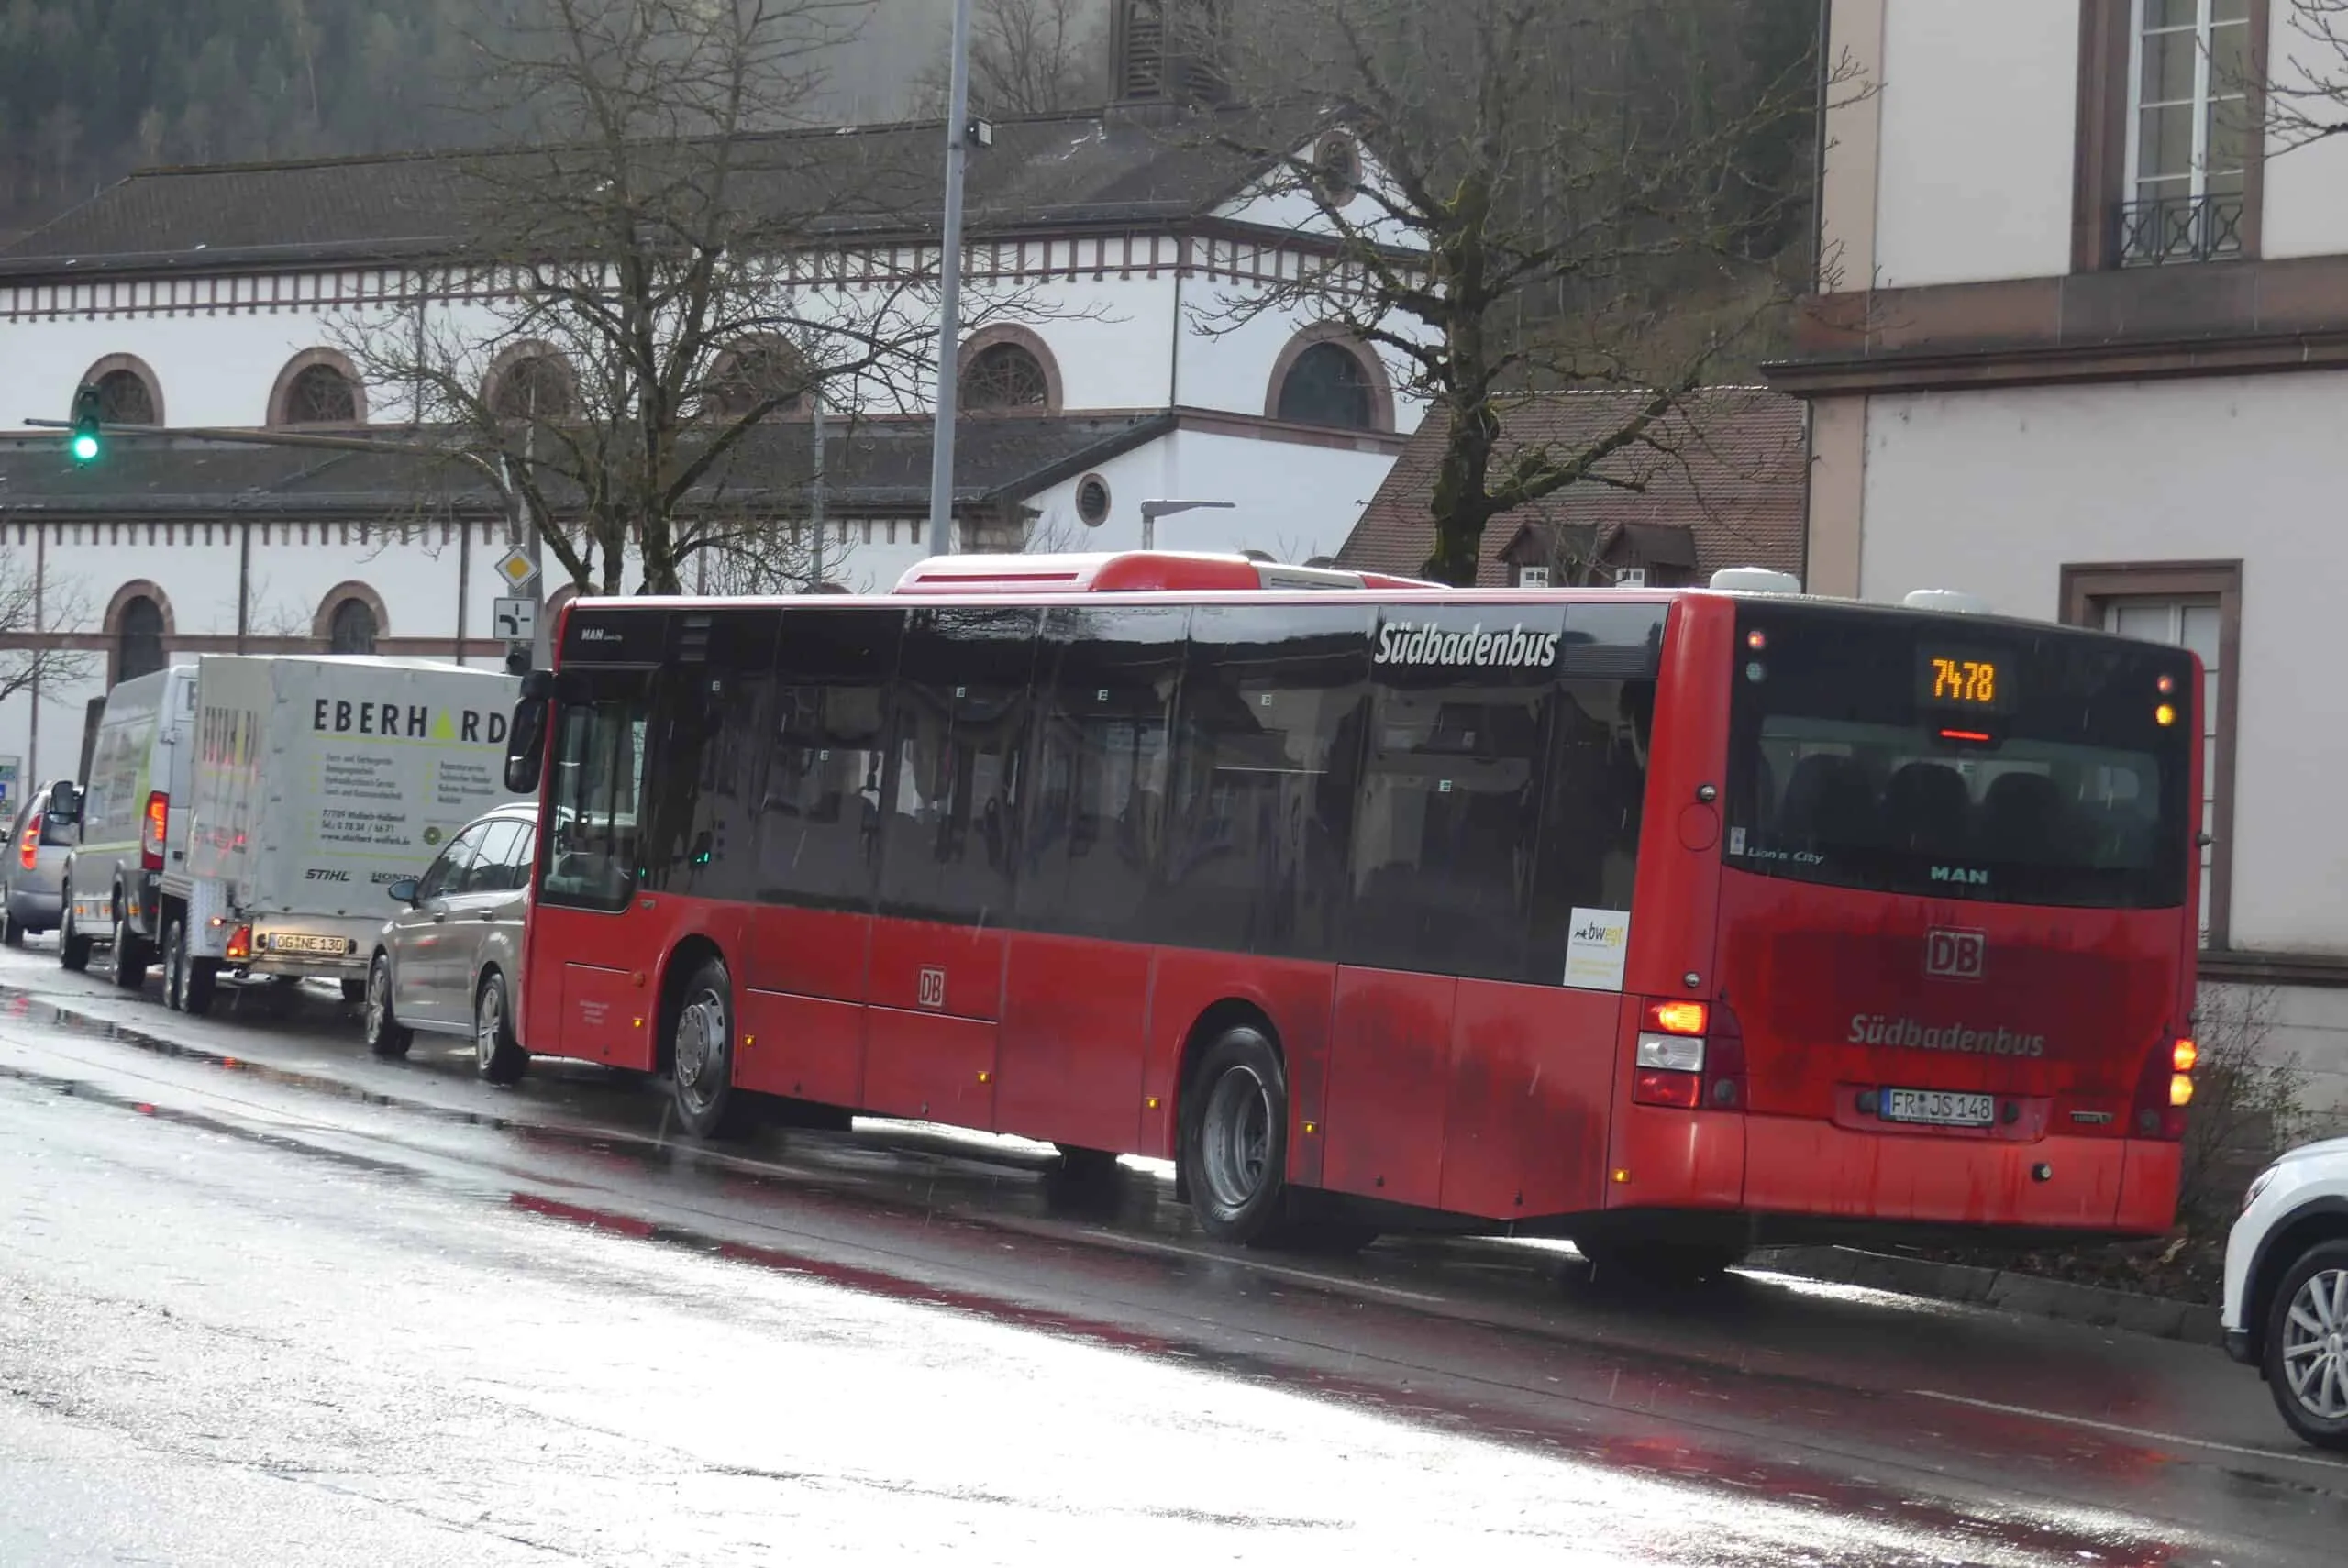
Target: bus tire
column 1233, row 1146
column 385, row 1036
column 73, row 947
column 497, row 1054
column 701, row 1057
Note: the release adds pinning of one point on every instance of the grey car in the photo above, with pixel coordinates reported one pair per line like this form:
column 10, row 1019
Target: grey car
column 32, row 875
column 449, row 960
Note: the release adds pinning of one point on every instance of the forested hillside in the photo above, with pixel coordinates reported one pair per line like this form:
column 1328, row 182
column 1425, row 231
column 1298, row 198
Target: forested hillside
column 90, row 89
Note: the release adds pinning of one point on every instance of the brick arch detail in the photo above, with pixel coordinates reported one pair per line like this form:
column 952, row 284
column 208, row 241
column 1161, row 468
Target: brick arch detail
column 986, row 337
column 303, row 362
column 322, row 624
column 138, row 588
column 110, row 363
column 1381, row 386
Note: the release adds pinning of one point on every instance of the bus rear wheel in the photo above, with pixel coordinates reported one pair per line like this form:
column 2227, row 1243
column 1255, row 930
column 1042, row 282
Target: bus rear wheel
column 701, row 1057
column 1233, row 1146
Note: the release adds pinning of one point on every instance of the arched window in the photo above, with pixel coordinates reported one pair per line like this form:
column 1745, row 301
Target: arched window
column 317, row 386
column 124, row 399
column 351, row 628
column 1328, row 384
column 750, row 375
column 532, row 385
column 137, row 639
column 1005, row 375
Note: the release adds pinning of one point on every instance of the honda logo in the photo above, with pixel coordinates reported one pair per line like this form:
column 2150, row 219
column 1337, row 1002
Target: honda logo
column 933, row 988
column 1956, row 955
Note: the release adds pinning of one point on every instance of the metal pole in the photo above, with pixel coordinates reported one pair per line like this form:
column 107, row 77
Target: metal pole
column 949, row 300
column 815, row 487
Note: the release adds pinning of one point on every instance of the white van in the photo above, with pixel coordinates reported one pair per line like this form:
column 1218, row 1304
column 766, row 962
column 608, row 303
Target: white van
column 134, row 824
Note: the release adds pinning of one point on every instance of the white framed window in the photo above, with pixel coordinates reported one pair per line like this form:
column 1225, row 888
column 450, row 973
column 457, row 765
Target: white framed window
column 1631, row 577
column 2189, row 131
column 1532, row 576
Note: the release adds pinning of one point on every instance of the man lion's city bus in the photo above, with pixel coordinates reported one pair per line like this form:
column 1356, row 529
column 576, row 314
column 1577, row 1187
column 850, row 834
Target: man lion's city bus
column 1674, row 923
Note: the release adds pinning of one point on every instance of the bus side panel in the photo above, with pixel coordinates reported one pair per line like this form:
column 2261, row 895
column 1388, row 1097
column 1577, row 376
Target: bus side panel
column 929, row 1066
column 803, row 990
column 1390, row 1076
column 1075, row 1015
column 1532, row 1081
column 1294, row 995
column 807, row 951
column 1675, row 909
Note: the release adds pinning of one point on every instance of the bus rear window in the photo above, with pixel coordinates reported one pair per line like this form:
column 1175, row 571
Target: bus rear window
column 1959, row 759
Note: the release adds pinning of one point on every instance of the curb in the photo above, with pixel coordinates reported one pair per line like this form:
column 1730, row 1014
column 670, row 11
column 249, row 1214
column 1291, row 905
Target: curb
column 2001, row 1290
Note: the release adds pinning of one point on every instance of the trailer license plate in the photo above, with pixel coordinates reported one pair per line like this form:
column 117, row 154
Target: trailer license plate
column 325, row 947
column 1939, row 1108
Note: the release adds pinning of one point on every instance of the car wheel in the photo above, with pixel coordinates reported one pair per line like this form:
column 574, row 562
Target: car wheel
column 2307, row 1345
column 132, row 955
column 73, row 947
column 1234, row 1147
column 354, row 991
column 11, row 934
column 189, row 981
column 385, row 1037
column 497, row 1053
column 701, row 1059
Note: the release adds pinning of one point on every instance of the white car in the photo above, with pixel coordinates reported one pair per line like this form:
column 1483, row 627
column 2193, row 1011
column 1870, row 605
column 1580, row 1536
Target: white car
column 2286, row 1288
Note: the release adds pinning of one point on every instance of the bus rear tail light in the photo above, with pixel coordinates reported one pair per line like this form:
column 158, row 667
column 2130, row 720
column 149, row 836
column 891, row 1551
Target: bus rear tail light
column 28, row 846
column 2163, row 1088
column 150, row 843
column 1669, row 1069
column 240, row 945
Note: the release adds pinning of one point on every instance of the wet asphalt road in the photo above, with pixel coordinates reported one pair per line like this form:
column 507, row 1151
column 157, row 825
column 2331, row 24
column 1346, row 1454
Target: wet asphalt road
column 264, row 1299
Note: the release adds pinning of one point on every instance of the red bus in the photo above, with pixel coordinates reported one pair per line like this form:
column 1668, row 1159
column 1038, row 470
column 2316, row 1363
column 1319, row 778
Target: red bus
column 1671, row 922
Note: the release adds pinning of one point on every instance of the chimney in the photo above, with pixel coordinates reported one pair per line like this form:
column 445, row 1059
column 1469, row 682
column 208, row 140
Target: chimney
column 1170, row 53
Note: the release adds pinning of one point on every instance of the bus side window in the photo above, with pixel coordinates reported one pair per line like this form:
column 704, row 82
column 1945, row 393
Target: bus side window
column 952, row 800
column 1273, row 716
column 710, row 718
column 819, row 808
column 1106, row 685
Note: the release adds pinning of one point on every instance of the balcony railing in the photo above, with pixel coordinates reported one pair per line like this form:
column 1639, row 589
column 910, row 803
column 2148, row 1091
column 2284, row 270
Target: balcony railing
column 2180, row 228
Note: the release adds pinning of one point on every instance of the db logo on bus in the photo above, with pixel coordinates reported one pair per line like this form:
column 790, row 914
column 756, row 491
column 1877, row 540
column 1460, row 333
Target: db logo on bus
column 932, row 992
column 1956, row 955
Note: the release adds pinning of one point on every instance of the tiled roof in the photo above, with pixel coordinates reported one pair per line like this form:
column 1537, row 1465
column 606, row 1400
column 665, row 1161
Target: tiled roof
column 879, row 466
column 1048, row 170
column 1729, row 466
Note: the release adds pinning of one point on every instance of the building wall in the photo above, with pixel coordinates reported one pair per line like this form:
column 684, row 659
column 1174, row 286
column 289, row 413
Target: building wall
column 1995, row 492
column 1979, row 117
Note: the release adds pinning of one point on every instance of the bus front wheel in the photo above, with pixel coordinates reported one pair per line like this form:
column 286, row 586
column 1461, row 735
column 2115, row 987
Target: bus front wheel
column 701, row 1057
column 1234, row 1149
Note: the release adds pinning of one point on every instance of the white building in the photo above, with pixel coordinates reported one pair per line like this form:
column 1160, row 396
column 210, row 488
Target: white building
column 2082, row 350
column 212, row 297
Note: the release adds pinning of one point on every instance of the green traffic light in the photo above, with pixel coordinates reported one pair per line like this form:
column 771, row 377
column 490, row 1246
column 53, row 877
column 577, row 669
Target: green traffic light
column 85, row 446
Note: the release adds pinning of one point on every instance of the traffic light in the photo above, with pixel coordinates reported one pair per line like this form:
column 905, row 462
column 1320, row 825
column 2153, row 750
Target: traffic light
column 87, row 443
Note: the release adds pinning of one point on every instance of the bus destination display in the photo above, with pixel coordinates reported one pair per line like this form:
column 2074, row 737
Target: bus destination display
column 1968, row 679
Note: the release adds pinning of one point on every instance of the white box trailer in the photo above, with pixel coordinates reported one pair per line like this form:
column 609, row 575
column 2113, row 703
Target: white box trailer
column 316, row 783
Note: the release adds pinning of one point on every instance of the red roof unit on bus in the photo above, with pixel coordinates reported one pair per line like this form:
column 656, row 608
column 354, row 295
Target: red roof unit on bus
column 1131, row 571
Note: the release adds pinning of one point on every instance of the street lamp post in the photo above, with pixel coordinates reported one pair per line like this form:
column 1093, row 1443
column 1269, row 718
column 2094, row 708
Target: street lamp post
column 1151, row 511
column 949, row 297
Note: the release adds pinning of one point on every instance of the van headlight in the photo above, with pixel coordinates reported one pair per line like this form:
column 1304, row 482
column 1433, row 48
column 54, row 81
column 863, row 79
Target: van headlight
column 2259, row 1184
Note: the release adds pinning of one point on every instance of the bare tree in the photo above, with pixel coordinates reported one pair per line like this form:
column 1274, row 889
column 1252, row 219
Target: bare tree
column 660, row 281
column 33, row 614
column 1027, row 57
column 1531, row 194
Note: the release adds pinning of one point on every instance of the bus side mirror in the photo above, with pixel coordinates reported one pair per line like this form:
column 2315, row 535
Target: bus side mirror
column 526, row 744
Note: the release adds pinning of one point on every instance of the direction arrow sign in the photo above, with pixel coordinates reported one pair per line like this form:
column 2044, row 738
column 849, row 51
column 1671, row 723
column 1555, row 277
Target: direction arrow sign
column 514, row 568
column 516, row 620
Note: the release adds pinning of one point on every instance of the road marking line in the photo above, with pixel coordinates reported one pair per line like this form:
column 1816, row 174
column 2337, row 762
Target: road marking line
column 1331, row 1281
column 2146, row 1432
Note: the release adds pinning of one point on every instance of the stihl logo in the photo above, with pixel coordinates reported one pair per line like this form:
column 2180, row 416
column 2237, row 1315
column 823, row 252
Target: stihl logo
column 933, row 988
column 1956, row 955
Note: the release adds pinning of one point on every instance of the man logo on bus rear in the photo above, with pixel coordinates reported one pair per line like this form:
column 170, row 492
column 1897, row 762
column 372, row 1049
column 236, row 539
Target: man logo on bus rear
column 1956, row 955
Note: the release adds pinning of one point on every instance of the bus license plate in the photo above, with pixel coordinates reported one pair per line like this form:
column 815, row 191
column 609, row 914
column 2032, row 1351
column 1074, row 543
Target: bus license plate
column 325, row 947
column 1939, row 1108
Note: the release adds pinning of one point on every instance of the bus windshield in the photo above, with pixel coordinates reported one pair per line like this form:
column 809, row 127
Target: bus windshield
column 1978, row 760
